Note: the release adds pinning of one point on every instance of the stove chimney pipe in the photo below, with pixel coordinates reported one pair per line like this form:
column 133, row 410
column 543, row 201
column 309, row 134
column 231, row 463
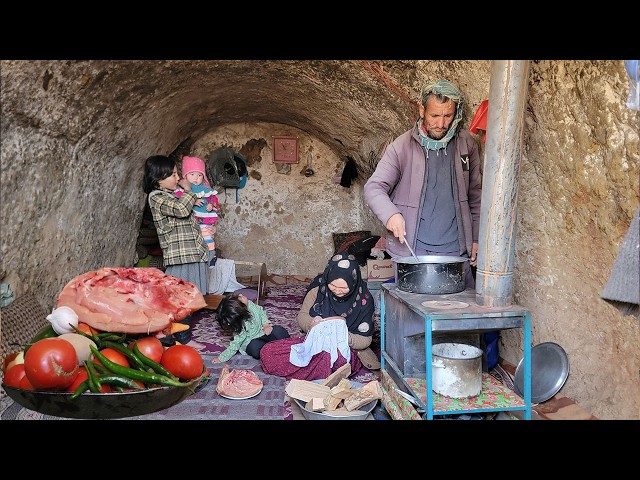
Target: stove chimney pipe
column 500, row 181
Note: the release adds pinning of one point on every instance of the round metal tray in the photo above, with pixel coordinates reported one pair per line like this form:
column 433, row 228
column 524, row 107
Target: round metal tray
column 103, row 405
column 549, row 372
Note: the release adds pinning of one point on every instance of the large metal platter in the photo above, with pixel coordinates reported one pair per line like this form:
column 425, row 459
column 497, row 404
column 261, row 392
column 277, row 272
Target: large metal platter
column 549, row 372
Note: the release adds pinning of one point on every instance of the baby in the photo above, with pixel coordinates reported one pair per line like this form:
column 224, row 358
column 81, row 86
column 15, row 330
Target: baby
column 206, row 207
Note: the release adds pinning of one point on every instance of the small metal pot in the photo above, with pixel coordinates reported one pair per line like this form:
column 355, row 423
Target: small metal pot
column 431, row 274
column 456, row 370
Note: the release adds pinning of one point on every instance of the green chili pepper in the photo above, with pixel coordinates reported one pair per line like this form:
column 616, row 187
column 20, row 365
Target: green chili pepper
column 110, row 336
column 151, row 363
column 101, row 369
column 127, row 352
column 144, row 377
column 92, row 376
column 100, row 338
column 119, row 381
column 83, row 387
column 45, row 332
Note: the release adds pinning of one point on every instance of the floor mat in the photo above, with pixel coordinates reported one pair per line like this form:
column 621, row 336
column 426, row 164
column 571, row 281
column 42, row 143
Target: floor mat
column 282, row 303
column 206, row 404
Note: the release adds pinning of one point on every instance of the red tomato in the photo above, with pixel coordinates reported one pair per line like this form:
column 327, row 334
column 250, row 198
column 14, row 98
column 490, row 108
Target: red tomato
column 83, row 327
column 13, row 376
column 82, row 376
column 183, row 361
column 8, row 359
column 115, row 356
column 150, row 347
column 25, row 384
column 51, row 364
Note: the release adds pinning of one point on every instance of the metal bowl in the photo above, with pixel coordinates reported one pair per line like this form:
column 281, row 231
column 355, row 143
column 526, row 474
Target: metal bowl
column 549, row 372
column 102, row 405
column 361, row 414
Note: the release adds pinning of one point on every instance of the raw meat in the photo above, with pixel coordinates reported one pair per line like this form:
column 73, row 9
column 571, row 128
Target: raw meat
column 238, row 383
column 130, row 300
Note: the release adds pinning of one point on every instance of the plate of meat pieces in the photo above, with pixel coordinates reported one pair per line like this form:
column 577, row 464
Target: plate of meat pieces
column 238, row 384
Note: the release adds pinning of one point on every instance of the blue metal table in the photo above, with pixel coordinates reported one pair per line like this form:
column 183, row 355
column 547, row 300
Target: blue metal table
column 409, row 319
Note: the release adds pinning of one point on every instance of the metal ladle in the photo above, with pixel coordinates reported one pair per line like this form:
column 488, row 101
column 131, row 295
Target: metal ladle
column 411, row 250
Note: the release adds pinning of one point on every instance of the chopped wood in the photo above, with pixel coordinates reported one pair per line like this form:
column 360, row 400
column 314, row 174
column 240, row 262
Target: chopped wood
column 331, row 402
column 316, row 404
column 304, row 390
column 371, row 391
column 343, row 389
column 335, row 378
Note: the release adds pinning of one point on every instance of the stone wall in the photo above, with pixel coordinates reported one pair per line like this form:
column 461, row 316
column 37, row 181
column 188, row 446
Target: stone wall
column 75, row 135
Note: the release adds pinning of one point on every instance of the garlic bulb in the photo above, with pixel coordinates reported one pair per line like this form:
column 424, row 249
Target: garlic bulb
column 62, row 318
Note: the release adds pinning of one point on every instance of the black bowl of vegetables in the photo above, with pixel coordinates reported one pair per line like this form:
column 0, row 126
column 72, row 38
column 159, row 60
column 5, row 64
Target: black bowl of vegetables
column 112, row 377
column 104, row 405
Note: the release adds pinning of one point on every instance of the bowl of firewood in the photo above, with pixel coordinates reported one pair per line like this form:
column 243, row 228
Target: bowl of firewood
column 335, row 397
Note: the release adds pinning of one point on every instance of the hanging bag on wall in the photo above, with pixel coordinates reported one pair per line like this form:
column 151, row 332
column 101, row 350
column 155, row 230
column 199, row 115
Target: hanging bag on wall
column 227, row 169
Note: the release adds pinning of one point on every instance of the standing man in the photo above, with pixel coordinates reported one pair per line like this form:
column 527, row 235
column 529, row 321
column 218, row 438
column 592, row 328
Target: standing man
column 427, row 186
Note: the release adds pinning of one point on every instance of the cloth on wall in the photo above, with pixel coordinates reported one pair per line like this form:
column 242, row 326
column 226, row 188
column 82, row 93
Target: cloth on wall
column 349, row 173
column 222, row 277
column 479, row 121
column 6, row 295
column 624, row 283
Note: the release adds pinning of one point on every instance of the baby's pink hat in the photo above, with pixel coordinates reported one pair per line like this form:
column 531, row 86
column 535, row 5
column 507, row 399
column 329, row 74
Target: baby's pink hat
column 194, row 164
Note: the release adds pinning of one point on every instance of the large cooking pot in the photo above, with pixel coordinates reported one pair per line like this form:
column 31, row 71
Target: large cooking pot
column 456, row 370
column 432, row 274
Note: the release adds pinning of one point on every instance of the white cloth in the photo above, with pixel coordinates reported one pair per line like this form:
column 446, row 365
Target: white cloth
column 328, row 336
column 222, row 277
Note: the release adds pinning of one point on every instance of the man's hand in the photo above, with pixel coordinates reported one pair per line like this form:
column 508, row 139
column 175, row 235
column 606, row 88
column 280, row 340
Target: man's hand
column 396, row 225
column 473, row 258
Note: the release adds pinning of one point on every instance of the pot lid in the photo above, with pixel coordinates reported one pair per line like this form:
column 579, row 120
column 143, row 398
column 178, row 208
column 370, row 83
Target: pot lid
column 549, row 372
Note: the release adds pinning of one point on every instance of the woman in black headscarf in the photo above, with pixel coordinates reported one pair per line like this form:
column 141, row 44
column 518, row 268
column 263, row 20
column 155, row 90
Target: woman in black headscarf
column 340, row 292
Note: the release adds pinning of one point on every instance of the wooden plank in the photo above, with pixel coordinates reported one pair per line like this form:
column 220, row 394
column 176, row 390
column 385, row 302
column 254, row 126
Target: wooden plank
column 305, row 391
column 315, row 404
column 213, row 300
column 337, row 376
column 371, row 391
